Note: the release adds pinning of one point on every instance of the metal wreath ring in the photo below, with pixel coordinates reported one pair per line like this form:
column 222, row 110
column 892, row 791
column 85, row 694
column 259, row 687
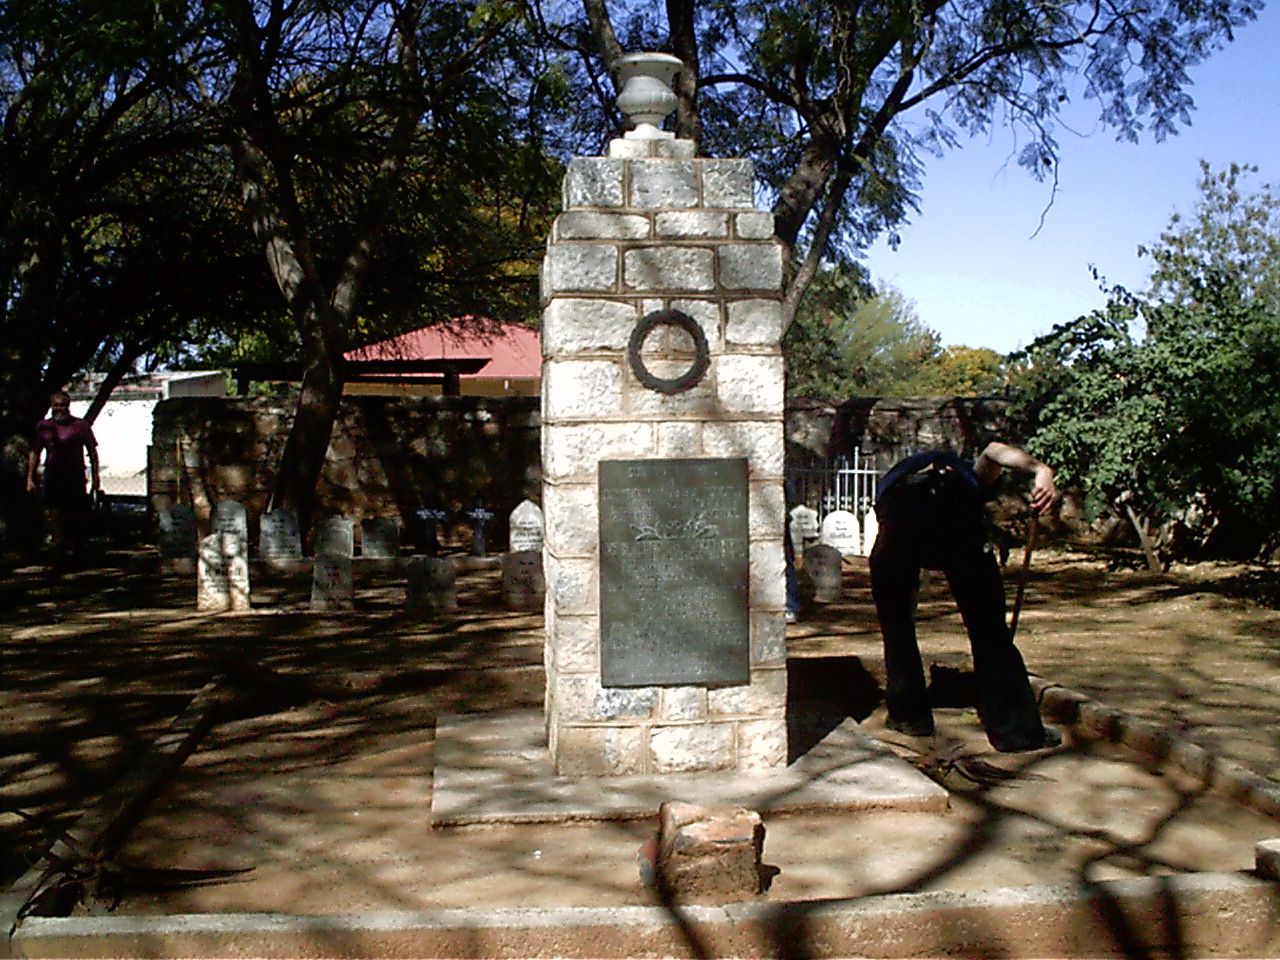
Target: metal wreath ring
column 701, row 352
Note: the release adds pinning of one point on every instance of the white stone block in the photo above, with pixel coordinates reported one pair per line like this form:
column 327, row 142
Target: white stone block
column 572, row 519
column 575, row 644
column 760, row 442
column 674, row 149
column 580, row 267
column 581, row 388
column 683, row 703
column 699, row 400
column 764, row 696
column 767, row 575
column 766, row 510
column 768, row 638
column 754, row 225
column 750, row 384
column 695, row 746
column 593, row 225
column 707, row 313
column 572, row 587
column 669, row 268
column 754, row 322
column 574, row 450
column 762, row 744
column 755, row 266
column 631, row 149
column 728, row 184
column 582, row 751
column 581, row 698
column 679, row 439
column 692, row 224
column 576, row 325
column 593, row 182
column 657, row 184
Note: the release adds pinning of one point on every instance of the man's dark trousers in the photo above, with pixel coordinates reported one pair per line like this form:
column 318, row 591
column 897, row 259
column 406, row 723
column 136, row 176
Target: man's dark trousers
column 933, row 520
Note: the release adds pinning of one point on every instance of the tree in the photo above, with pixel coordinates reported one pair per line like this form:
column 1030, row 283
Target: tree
column 838, row 102
column 851, row 339
column 365, row 129
column 1164, row 404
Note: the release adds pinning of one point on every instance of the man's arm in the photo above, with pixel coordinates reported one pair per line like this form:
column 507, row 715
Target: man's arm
column 91, row 448
column 33, row 458
column 998, row 455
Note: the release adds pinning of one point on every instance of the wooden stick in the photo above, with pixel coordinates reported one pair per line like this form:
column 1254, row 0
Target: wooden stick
column 1032, row 527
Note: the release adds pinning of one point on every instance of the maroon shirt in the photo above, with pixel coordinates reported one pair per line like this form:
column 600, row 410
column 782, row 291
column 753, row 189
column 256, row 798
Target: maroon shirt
column 64, row 445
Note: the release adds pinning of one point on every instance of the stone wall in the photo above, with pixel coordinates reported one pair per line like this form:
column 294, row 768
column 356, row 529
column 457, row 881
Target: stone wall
column 392, row 454
column 389, row 456
column 887, row 425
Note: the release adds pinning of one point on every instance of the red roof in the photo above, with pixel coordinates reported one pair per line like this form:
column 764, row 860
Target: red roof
column 514, row 352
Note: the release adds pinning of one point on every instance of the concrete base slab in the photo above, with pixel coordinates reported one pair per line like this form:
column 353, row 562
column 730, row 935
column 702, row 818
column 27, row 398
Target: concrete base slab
column 1201, row 915
column 495, row 768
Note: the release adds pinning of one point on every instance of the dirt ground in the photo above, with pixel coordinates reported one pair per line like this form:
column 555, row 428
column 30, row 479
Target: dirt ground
column 319, row 778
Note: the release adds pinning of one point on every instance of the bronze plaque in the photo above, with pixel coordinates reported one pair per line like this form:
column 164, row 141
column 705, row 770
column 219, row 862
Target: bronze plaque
column 673, row 572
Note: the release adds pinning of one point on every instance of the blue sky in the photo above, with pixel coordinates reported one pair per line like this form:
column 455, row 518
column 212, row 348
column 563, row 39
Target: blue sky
column 975, row 267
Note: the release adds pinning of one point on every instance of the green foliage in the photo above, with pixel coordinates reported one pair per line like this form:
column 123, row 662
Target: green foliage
column 1169, row 400
column 850, row 339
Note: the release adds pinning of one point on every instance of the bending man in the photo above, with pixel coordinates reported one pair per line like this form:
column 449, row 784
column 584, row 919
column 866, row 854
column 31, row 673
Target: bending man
column 929, row 508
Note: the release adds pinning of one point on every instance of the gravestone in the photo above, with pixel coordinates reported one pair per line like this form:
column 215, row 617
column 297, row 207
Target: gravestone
column 804, row 527
column 523, row 585
column 222, row 573
column 228, row 516
column 822, row 569
column 479, row 517
column 840, row 530
column 525, row 527
column 332, row 584
column 380, row 538
column 662, row 462
column 178, row 533
column 870, row 527
column 279, row 537
column 432, row 517
column 430, row 585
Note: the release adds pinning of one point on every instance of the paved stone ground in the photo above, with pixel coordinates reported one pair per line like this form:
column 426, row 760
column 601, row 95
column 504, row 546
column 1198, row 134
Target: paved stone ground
column 320, row 777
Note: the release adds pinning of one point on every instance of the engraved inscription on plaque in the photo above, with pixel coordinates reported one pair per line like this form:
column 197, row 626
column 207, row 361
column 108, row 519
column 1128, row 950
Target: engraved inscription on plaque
column 673, row 572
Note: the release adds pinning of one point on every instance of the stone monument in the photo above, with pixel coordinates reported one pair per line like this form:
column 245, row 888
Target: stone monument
column 662, row 457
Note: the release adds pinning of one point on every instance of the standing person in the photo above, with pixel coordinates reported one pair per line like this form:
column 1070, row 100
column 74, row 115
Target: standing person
column 65, row 440
column 929, row 508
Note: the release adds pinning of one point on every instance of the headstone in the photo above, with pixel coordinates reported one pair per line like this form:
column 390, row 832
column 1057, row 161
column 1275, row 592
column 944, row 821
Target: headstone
column 380, row 538
column 673, row 572
column 336, row 536
column 222, row 573
column 229, row 517
column 526, row 528
column 178, row 533
column 840, row 530
column 523, row 585
column 822, row 569
column 478, row 516
column 279, row 538
column 870, row 527
column 332, row 585
column 804, row 527
column 430, row 585
column 432, row 517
